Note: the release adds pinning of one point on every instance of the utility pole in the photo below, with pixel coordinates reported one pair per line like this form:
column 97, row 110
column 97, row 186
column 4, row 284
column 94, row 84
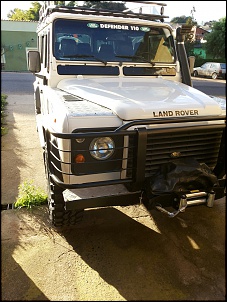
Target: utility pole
column 192, row 12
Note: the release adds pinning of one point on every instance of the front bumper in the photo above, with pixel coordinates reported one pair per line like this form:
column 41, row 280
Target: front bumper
column 146, row 149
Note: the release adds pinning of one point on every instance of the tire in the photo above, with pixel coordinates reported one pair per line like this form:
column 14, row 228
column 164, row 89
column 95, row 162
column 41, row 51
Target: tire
column 58, row 216
column 214, row 76
column 195, row 73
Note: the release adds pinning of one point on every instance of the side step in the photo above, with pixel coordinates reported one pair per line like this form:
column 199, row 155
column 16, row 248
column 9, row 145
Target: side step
column 190, row 199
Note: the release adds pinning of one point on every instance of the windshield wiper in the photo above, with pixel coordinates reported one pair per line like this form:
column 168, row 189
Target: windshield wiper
column 85, row 56
column 136, row 57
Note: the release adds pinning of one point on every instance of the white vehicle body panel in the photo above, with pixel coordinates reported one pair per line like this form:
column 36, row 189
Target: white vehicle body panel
column 142, row 98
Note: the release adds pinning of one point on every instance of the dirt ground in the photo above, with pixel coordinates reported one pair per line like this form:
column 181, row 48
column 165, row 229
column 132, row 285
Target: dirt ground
column 21, row 153
column 113, row 254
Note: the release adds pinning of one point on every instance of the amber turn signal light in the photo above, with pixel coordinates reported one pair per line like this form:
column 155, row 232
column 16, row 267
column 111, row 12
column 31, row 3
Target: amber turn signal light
column 79, row 158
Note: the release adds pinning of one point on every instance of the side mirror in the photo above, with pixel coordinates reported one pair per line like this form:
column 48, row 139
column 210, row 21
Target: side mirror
column 191, row 63
column 34, row 63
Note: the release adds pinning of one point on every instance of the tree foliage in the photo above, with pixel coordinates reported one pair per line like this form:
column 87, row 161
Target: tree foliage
column 60, row 2
column 17, row 15
column 105, row 5
column 189, row 38
column 215, row 45
column 189, row 41
column 25, row 15
column 33, row 12
column 183, row 19
column 70, row 3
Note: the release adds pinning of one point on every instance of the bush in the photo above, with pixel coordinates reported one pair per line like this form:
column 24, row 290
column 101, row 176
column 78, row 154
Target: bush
column 29, row 196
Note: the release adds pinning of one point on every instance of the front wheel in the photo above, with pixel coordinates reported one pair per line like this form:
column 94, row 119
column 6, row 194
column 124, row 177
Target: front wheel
column 214, row 76
column 59, row 217
column 195, row 73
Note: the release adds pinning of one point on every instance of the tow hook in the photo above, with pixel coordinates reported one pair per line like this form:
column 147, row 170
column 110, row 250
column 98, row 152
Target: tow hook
column 190, row 199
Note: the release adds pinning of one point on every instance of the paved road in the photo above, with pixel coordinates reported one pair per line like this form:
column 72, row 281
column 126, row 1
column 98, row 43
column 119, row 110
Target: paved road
column 210, row 87
column 17, row 83
column 23, row 84
column 114, row 254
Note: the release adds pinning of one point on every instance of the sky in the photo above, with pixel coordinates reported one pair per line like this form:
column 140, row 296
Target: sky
column 204, row 10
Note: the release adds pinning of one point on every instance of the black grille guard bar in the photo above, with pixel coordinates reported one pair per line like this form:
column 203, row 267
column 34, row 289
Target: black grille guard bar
column 171, row 121
column 140, row 122
column 141, row 132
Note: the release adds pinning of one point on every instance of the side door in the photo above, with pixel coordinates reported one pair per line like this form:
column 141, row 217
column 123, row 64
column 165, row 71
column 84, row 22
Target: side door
column 206, row 70
column 202, row 69
column 213, row 69
column 42, row 79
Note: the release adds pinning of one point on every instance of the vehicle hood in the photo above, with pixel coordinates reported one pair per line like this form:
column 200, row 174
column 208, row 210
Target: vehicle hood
column 138, row 98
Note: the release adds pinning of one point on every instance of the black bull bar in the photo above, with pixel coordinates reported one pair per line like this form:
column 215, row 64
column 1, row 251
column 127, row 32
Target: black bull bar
column 135, row 181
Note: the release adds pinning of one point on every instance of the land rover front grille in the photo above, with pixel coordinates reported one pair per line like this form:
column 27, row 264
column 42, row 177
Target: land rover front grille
column 203, row 145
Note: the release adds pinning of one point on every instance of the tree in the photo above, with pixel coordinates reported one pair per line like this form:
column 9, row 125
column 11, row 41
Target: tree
column 105, row 5
column 33, row 12
column 17, row 15
column 189, row 38
column 59, row 2
column 189, row 41
column 215, row 45
column 181, row 19
column 25, row 15
column 70, row 3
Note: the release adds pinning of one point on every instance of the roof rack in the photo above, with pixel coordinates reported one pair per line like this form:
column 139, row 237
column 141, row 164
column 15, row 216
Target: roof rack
column 50, row 7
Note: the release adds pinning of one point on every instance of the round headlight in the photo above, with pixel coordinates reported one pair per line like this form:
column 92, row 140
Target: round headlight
column 102, row 148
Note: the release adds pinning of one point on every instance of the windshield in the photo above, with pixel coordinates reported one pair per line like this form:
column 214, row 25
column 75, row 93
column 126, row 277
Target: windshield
column 103, row 42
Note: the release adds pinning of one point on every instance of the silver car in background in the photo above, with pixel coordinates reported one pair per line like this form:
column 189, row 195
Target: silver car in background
column 210, row 69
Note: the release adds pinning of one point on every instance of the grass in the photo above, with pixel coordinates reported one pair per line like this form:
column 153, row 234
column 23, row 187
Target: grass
column 3, row 106
column 29, row 196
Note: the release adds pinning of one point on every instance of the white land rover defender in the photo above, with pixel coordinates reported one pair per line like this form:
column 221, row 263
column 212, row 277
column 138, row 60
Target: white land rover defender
column 118, row 118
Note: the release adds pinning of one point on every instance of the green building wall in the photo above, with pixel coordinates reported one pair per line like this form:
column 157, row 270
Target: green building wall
column 17, row 38
column 200, row 52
